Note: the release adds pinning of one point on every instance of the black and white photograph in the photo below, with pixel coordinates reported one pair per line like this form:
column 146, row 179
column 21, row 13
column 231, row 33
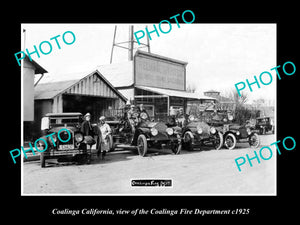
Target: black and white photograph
column 162, row 112
column 116, row 114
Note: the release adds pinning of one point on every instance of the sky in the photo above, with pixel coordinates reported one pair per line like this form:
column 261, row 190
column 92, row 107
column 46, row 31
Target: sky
column 218, row 55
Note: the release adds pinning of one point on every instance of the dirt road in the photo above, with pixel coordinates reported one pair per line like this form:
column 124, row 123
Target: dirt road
column 205, row 172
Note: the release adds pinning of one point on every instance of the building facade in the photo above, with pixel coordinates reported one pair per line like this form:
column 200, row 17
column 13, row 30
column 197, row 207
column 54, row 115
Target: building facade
column 156, row 81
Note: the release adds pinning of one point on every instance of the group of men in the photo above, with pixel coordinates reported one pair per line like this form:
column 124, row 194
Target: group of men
column 135, row 116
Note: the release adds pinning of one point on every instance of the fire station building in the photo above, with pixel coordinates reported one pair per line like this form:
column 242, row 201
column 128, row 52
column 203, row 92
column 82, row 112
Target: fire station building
column 156, row 81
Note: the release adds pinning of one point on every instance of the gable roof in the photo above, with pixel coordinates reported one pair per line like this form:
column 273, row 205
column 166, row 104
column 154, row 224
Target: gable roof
column 50, row 89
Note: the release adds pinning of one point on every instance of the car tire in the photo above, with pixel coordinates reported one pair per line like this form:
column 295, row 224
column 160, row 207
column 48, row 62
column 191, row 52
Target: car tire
column 188, row 141
column 230, row 141
column 256, row 142
column 221, row 141
column 142, row 145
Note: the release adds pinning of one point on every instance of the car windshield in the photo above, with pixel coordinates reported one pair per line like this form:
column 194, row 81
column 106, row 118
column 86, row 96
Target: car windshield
column 59, row 121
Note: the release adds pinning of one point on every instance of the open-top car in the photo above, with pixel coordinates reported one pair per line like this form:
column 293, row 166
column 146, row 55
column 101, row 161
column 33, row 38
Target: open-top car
column 146, row 134
column 197, row 133
column 264, row 125
column 233, row 133
column 65, row 126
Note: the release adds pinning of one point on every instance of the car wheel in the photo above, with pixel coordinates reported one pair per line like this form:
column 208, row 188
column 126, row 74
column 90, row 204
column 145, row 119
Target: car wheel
column 230, row 141
column 254, row 140
column 218, row 141
column 142, row 145
column 188, row 141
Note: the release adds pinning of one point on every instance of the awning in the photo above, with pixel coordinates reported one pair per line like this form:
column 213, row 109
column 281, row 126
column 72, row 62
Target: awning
column 175, row 93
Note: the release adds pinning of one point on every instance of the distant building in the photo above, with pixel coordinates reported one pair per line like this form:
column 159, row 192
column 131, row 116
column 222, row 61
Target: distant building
column 222, row 103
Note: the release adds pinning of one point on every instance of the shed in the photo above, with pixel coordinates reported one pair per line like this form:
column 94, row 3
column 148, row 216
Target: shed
column 76, row 92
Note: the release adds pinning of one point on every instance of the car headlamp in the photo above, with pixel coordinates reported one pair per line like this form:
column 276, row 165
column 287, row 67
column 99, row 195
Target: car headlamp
column 154, row 131
column 212, row 130
column 248, row 131
column 191, row 118
column 238, row 133
column 78, row 137
column 230, row 117
column 169, row 131
column 199, row 131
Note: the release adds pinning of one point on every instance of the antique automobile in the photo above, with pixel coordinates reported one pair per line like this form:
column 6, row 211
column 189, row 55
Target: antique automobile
column 147, row 134
column 197, row 133
column 56, row 129
column 232, row 132
column 264, row 125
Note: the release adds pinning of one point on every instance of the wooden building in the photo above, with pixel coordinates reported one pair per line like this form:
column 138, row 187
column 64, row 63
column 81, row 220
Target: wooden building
column 156, row 81
column 76, row 92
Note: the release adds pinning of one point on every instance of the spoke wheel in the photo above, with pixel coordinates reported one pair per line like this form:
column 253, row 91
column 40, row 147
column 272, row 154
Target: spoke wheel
column 142, row 145
column 218, row 142
column 254, row 140
column 230, row 141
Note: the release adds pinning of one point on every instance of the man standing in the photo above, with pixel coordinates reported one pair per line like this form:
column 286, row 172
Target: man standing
column 132, row 116
column 105, row 132
column 86, row 127
column 88, row 133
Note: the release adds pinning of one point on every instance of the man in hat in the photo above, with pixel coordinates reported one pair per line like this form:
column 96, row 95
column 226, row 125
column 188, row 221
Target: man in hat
column 88, row 133
column 132, row 117
column 144, row 116
column 86, row 127
column 171, row 119
column 105, row 131
column 181, row 118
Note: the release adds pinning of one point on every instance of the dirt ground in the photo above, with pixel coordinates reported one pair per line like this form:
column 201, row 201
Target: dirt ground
column 205, row 172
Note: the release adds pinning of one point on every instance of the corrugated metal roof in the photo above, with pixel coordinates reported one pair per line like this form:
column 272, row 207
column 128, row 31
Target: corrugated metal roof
column 50, row 90
column 175, row 93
